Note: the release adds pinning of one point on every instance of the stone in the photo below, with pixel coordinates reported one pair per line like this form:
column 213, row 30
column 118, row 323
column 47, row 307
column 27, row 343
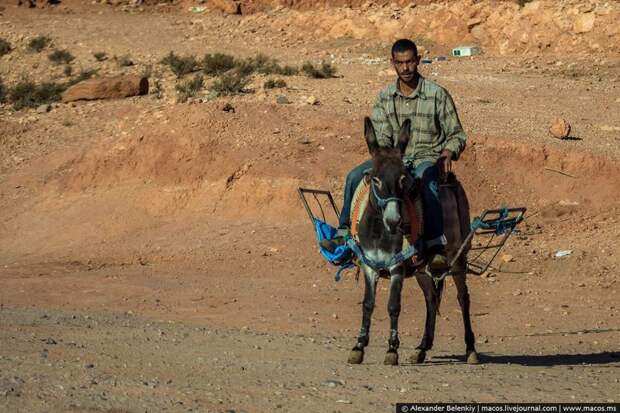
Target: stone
column 488, row 275
column 282, row 100
column 44, row 108
column 607, row 128
column 560, row 128
column 507, row 258
column 312, row 101
column 471, row 23
column 107, row 88
column 584, row 23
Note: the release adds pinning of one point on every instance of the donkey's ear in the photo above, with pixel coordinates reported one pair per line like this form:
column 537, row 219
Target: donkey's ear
column 371, row 138
column 403, row 136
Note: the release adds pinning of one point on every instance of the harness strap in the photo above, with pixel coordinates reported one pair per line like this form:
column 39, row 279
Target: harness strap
column 396, row 259
column 382, row 202
column 345, row 266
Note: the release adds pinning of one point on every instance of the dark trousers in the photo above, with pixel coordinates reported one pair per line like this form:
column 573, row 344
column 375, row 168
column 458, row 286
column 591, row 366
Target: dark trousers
column 428, row 174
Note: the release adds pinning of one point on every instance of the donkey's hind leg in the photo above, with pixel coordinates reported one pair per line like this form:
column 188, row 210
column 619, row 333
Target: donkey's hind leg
column 431, row 298
column 357, row 353
column 463, row 297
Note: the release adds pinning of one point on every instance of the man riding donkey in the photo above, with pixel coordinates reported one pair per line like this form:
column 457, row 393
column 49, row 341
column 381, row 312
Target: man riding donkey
column 437, row 139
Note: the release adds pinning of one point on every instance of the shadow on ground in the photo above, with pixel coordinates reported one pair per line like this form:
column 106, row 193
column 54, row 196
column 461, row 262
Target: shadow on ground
column 547, row 360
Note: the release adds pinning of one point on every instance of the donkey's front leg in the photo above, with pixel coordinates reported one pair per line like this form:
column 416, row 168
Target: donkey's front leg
column 396, row 287
column 370, row 276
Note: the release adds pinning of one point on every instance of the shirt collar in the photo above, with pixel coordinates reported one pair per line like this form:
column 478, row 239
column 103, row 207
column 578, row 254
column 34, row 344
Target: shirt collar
column 418, row 92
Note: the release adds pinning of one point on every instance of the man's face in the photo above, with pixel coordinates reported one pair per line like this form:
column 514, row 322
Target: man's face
column 406, row 65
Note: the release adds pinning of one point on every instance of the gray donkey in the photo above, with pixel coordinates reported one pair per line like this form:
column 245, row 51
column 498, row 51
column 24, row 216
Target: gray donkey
column 381, row 239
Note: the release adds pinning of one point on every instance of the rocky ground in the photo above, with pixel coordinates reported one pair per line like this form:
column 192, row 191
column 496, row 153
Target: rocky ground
column 154, row 255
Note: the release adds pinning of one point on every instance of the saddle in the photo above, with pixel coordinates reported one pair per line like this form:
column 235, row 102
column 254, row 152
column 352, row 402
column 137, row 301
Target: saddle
column 413, row 224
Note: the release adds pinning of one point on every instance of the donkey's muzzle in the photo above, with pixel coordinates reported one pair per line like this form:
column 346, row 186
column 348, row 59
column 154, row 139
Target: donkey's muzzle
column 393, row 226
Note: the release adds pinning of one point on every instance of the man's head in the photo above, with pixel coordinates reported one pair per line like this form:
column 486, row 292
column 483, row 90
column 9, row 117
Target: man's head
column 405, row 59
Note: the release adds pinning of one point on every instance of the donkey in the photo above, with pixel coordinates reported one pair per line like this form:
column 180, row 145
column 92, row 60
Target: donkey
column 381, row 238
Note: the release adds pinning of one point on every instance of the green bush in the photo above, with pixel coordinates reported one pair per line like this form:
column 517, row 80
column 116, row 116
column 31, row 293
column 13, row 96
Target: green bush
column 189, row 88
column 68, row 70
column 231, row 83
column 5, row 47
column 61, row 56
column 274, row 84
column 217, row 64
column 263, row 64
column 269, row 66
column 324, row 72
column 38, row 44
column 287, row 70
column 27, row 94
column 2, row 91
column 180, row 66
column 100, row 56
column 123, row 61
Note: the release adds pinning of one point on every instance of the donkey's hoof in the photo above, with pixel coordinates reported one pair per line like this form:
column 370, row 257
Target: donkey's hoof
column 356, row 357
column 391, row 358
column 418, row 356
column 472, row 357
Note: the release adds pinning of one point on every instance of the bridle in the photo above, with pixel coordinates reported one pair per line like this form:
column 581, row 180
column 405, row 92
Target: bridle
column 382, row 202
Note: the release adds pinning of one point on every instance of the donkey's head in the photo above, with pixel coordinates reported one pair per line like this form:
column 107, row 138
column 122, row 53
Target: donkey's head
column 389, row 180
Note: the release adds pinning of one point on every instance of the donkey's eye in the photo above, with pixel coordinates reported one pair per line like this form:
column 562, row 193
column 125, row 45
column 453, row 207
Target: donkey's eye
column 401, row 181
column 377, row 182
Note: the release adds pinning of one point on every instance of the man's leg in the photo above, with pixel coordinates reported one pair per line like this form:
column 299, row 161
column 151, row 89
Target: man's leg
column 353, row 180
column 434, row 237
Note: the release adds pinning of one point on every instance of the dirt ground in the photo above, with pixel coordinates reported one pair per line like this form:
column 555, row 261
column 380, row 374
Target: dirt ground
column 154, row 255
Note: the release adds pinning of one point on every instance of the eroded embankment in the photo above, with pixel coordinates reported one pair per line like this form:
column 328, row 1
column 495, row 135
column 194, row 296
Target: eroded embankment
column 187, row 166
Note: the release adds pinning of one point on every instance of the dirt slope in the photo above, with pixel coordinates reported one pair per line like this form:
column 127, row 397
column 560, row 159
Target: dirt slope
column 163, row 249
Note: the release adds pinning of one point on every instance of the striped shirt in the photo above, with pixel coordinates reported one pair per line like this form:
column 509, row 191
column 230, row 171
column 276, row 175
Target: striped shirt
column 435, row 124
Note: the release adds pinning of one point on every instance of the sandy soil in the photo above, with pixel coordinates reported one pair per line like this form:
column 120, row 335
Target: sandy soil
column 154, row 256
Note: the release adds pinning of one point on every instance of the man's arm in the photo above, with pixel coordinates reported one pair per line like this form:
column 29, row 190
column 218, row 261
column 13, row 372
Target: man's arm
column 451, row 126
column 383, row 128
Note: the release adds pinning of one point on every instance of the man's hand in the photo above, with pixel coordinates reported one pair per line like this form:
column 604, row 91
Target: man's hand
column 445, row 164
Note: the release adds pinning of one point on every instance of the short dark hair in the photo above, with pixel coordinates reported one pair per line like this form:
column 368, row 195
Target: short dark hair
column 404, row 45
